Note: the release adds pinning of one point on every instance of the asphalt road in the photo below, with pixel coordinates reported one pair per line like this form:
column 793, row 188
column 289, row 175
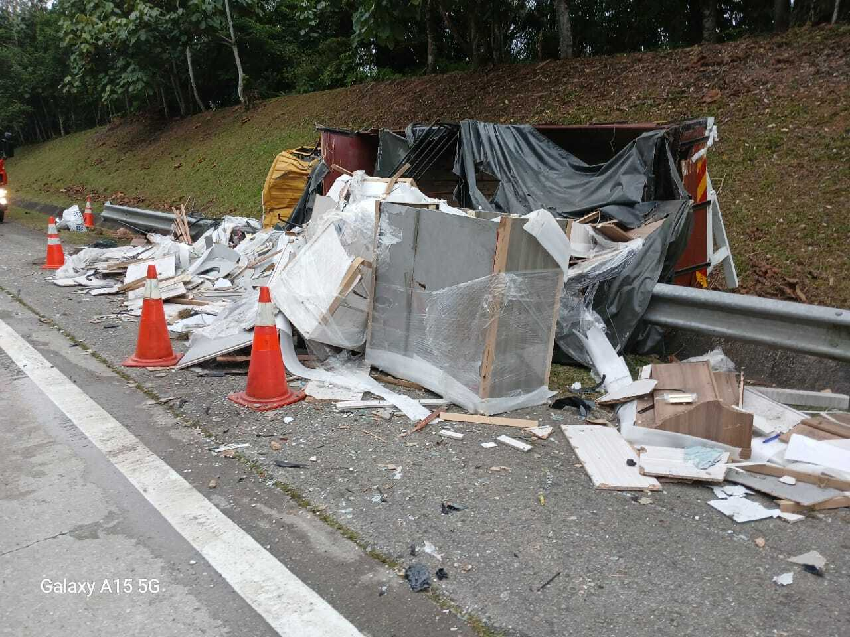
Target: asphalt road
column 614, row 566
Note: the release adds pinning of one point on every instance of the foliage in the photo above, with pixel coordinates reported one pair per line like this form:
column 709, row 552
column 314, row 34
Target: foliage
column 66, row 65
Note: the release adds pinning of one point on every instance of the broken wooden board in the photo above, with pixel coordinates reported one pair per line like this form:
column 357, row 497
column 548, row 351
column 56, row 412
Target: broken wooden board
column 711, row 420
column 801, row 492
column 629, row 392
column 810, row 432
column 668, row 462
column 713, row 416
column 605, row 455
column 828, row 425
column 838, row 502
column 522, row 423
column 821, row 480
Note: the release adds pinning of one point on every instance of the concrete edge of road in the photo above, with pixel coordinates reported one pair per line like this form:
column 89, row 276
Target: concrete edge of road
column 442, row 602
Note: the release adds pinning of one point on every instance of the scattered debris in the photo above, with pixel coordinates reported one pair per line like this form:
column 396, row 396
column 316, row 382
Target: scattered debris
column 213, row 483
column 489, row 445
column 448, row 507
column 441, row 574
column 549, row 581
column 289, row 465
column 585, row 407
column 513, row 442
column 418, row 576
column 785, row 579
column 812, row 562
column 447, row 433
column 760, row 542
column 541, row 432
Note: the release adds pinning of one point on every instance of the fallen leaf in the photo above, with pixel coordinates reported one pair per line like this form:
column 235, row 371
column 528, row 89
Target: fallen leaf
column 275, row 445
column 760, row 542
column 228, row 453
column 213, row 483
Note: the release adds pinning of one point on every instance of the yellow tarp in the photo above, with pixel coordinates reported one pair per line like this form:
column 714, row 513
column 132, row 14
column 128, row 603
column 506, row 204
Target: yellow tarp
column 285, row 184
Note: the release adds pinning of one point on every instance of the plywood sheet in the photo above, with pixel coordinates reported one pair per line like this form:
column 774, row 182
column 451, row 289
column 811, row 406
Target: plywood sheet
column 604, row 454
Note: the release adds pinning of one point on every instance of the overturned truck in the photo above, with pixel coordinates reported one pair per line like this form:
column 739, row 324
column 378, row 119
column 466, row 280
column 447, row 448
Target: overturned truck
column 454, row 255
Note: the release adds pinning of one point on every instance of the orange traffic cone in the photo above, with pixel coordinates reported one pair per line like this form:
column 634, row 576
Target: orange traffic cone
column 153, row 348
column 88, row 215
column 267, row 388
column 55, row 257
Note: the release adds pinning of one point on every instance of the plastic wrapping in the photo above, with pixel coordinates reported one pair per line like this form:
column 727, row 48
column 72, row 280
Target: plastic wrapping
column 483, row 342
column 324, row 289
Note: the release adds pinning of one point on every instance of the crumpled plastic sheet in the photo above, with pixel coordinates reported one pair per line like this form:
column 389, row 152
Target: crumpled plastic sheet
column 221, row 233
column 349, row 376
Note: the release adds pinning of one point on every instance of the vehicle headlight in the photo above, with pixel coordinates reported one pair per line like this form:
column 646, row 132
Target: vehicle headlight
column 3, row 193
column 3, row 200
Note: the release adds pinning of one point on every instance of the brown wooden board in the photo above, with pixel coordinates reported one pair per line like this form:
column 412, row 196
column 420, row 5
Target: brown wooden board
column 810, row 432
column 837, row 429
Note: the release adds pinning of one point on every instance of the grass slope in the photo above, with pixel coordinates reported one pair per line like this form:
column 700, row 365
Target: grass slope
column 782, row 165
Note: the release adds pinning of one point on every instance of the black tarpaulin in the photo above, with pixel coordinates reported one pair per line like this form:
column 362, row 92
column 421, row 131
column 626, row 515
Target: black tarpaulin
column 533, row 172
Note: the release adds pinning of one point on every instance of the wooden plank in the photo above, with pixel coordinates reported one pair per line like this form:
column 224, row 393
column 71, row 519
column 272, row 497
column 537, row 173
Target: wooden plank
column 727, row 387
column 828, row 425
column 801, row 492
column 668, row 462
column 489, row 420
column 810, row 432
column 499, row 261
column 605, row 455
column 840, row 417
column 819, row 480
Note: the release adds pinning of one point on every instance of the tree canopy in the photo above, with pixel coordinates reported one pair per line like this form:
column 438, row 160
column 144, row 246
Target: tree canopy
column 71, row 64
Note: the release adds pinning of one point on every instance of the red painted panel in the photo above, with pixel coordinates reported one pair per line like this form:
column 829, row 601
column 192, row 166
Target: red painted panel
column 349, row 150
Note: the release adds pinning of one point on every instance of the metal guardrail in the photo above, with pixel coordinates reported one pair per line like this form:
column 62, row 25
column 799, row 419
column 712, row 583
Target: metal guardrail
column 809, row 329
column 151, row 220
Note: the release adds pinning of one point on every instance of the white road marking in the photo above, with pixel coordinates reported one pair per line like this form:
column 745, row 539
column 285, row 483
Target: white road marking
column 291, row 607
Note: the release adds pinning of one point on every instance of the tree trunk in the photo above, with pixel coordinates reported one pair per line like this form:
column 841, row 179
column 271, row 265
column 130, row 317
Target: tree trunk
column 178, row 93
column 164, row 102
column 709, row 21
column 781, row 15
column 192, row 79
column 61, row 122
column 836, row 11
column 450, row 25
column 432, row 45
column 239, row 73
column 565, row 29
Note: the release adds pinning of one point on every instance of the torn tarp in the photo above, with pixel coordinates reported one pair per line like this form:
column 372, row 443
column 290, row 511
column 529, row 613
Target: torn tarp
column 534, row 172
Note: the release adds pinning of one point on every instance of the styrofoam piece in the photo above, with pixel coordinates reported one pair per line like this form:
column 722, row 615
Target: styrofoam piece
column 543, row 227
column 803, row 449
column 489, row 445
column 217, row 261
column 448, row 433
column 513, row 442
